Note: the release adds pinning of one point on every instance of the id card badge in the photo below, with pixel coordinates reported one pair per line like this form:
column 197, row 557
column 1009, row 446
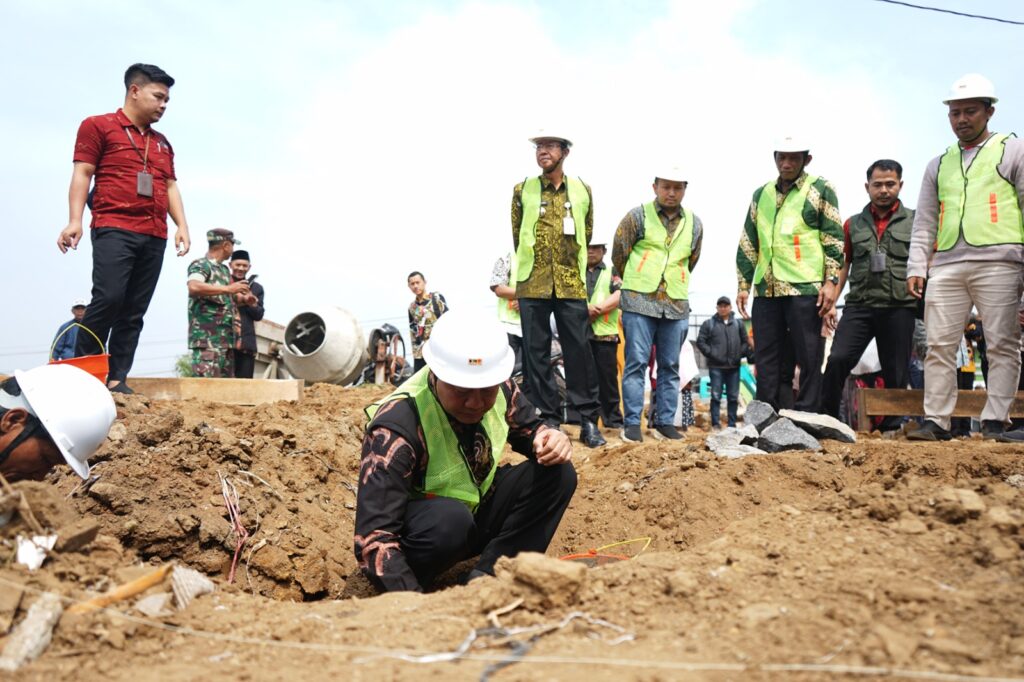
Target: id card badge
column 878, row 262
column 144, row 184
column 568, row 223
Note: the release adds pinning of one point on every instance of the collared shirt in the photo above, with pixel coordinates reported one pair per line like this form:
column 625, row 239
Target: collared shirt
column 104, row 142
column 656, row 303
column 556, row 270
column 824, row 217
column 422, row 316
column 500, row 276
column 64, row 341
column 881, row 222
column 393, row 465
column 593, row 273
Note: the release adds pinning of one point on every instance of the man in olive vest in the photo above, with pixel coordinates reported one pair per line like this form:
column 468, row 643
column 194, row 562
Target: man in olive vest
column 790, row 252
column 552, row 223
column 431, row 491
column 603, row 305
column 656, row 247
column 968, row 241
column 878, row 306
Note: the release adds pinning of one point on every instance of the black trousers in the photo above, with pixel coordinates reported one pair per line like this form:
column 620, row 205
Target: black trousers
column 893, row 331
column 520, row 514
column 125, row 269
column 793, row 321
column 516, row 344
column 607, row 364
column 580, row 373
column 245, row 364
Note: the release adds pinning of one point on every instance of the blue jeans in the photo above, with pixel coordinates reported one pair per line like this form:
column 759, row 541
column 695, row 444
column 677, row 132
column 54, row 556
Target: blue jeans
column 731, row 379
column 641, row 333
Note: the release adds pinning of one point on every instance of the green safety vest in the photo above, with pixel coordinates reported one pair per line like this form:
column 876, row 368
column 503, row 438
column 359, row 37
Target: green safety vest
column 579, row 200
column 977, row 202
column 448, row 472
column 506, row 313
column 785, row 241
column 656, row 258
column 607, row 324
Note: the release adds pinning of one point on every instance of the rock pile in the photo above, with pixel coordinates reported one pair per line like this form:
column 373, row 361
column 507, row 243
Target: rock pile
column 765, row 431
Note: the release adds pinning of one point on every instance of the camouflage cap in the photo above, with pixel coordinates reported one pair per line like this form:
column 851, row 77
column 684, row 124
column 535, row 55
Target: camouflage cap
column 221, row 235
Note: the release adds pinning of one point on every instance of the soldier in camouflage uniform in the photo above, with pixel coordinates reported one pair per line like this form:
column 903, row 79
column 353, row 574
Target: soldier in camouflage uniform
column 213, row 321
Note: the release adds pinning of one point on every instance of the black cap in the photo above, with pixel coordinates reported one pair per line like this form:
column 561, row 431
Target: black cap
column 240, row 254
column 723, row 300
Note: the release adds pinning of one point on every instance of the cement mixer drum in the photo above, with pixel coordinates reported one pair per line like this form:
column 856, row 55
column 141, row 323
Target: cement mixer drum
column 325, row 344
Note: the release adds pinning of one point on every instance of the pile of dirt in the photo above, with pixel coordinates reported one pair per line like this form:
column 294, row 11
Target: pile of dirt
column 880, row 555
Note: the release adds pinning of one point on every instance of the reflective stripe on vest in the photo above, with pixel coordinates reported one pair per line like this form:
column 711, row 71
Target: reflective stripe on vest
column 977, row 202
column 607, row 324
column 448, row 472
column 579, row 201
column 506, row 313
column 785, row 241
column 656, row 257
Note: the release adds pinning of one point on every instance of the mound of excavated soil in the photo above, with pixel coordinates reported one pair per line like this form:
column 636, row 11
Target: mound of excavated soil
column 884, row 553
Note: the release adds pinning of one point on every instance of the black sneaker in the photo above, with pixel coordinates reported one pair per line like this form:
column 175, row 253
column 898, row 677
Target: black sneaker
column 667, row 432
column 992, row 429
column 121, row 388
column 930, row 431
column 632, row 434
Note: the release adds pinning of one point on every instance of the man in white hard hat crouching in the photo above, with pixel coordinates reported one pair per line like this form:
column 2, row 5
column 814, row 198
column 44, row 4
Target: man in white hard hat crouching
column 431, row 491
column 968, row 242
column 51, row 415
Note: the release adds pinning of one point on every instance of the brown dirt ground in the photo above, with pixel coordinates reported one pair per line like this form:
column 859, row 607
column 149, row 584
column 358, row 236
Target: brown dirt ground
column 880, row 556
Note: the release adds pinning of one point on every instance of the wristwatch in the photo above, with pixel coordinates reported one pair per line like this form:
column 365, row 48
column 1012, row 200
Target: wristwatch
column 833, row 279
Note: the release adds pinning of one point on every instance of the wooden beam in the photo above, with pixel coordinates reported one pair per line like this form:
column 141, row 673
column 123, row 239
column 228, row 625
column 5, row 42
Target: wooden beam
column 910, row 402
column 229, row 391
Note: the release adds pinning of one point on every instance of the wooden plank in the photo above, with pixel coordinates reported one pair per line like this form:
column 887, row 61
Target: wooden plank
column 910, row 402
column 229, row 391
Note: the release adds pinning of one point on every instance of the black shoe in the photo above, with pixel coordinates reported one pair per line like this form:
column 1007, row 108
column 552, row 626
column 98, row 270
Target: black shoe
column 930, row 431
column 1014, row 436
column 890, row 424
column 632, row 434
column 992, row 429
column 121, row 388
column 667, row 432
column 590, row 435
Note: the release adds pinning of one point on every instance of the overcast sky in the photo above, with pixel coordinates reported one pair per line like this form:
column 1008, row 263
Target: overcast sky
column 348, row 143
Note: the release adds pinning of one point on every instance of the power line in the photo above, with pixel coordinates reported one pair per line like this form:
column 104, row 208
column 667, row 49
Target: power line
column 954, row 12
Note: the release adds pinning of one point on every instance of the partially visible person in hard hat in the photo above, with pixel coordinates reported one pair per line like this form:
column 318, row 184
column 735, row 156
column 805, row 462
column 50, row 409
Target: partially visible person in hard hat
column 67, row 333
column 603, row 285
column 213, row 321
column 431, row 491
column 504, row 288
column 790, row 254
column 424, row 311
column 552, row 223
column 250, row 311
column 878, row 306
column 134, row 190
column 656, row 247
column 968, row 243
column 51, row 415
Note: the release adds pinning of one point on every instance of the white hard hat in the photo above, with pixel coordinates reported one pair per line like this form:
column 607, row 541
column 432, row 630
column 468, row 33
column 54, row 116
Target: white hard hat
column 75, row 408
column 543, row 134
column 80, row 303
column 790, row 143
column 469, row 351
column 972, row 86
column 671, row 173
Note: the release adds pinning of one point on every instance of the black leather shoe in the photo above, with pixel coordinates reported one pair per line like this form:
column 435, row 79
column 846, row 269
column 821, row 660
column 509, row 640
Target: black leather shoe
column 590, row 435
column 121, row 387
column 1015, row 436
column 992, row 429
column 930, row 431
column 667, row 432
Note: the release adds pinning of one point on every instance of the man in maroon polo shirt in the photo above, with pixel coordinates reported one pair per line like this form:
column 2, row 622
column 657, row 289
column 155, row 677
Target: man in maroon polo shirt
column 135, row 188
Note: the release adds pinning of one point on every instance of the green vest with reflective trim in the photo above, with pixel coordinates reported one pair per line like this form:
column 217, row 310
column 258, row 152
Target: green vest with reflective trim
column 656, row 258
column 607, row 324
column 506, row 313
column 448, row 472
column 785, row 241
column 977, row 202
column 579, row 201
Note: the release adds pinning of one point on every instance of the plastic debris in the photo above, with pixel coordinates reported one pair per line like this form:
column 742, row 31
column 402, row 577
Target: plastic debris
column 189, row 584
column 33, row 635
column 32, row 552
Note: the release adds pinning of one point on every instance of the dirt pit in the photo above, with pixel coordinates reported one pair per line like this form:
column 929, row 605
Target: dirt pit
column 882, row 558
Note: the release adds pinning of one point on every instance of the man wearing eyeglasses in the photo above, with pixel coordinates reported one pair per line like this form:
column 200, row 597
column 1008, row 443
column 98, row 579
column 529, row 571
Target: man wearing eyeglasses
column 552, row 223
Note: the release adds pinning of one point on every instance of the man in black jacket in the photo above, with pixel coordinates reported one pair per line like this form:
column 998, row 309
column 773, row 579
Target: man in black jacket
column 723, row 341
column 250, row 311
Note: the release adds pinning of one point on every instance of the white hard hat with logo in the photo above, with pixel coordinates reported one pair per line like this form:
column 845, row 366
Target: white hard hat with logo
column 544, row 134
column 469, row 351
column 791, row 143
column 80, row 303
column 75, row 408
column 671, row 173
column 972, row 86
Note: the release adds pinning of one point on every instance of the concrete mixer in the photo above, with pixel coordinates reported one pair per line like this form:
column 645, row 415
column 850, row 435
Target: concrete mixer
column 325, row 344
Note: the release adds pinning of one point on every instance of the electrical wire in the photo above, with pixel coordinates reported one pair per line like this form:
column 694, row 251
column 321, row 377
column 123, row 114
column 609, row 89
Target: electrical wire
column 953, row 12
